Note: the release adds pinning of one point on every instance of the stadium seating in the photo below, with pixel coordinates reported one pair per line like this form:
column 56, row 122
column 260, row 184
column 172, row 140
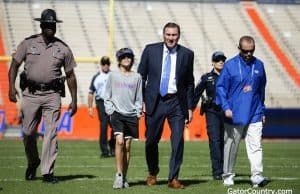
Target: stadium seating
column 206, row 27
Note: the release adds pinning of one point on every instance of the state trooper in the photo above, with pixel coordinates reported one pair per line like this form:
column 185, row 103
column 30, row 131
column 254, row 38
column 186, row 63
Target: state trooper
column 213, row 113
column 42, row 86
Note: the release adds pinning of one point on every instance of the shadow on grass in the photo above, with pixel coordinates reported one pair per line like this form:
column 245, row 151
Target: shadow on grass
column 263, row 184
column 72, row 177
column 240, row 182
column 165, row 182
column 242, row 175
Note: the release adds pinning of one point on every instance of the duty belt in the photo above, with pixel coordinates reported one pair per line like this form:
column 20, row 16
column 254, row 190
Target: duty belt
column 215, row 107
column 41, row 87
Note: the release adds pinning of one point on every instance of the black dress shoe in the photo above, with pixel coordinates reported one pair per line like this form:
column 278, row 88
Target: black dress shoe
column 112, row 153
column 217, row 177
column 104, row 156
column 31, row 170
column 49, row 178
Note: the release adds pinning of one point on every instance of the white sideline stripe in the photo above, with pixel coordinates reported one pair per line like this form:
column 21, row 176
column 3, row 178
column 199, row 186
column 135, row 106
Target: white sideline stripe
column 203, row 178
column 132, row 156
column 144, row 166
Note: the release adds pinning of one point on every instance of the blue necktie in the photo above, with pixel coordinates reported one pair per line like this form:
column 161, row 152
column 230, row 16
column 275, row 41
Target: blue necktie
column 164, row 83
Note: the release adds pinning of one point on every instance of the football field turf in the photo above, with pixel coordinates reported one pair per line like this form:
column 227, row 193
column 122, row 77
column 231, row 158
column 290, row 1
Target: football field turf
column 80, row 170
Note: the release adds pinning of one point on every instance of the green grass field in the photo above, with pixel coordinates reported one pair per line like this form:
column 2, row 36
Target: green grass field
column 81, row 170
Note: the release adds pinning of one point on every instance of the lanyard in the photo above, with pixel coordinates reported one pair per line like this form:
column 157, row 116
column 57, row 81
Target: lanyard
column 252, row 71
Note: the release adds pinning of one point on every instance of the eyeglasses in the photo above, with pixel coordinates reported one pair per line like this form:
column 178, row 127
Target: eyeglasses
column 218, row 60
column 247, row 51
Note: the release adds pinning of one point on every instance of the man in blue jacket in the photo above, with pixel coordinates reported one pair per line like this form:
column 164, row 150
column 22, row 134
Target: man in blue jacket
column 241, row 94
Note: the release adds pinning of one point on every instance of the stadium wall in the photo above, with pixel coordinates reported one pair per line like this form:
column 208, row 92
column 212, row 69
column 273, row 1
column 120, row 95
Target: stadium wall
column 81, row 126
column 280, row 123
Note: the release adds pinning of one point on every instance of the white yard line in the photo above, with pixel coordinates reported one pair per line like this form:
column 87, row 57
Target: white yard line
column 133, row 156
column 143, row 166
column 202, row 178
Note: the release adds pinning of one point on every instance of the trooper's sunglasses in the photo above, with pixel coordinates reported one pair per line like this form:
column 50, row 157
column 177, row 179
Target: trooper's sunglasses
column 247, row 51
column 217, row 60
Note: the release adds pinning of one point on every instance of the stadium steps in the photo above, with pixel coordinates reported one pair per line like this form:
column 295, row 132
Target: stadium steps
column 207, row 46
column 282, row 24
column 285, row 65
column 96, row 29
column 104, row 15
column 141, row 23
column 182, row 19
column 296, row 22
column 260, row 20
column 125, row 15
column 87, row 38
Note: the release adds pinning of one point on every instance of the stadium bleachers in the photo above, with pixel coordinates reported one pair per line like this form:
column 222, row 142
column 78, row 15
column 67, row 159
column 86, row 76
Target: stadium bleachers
column 206, row 27
column 286, row 27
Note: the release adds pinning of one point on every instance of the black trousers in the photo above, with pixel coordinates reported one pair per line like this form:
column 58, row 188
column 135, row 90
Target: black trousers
column 166, row 109
column 104, row 122
column 215, row 132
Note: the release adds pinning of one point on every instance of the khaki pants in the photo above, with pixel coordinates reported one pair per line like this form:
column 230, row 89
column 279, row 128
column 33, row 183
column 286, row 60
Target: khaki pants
column 44, row 105
column 232, row 138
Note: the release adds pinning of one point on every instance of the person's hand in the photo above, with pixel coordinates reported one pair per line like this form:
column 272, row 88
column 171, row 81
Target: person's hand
column 264, row 120
column 13, row 94
column 228, row 113
column 190, row 117
column 73, row 108
column 144, row 108
column 91, row 112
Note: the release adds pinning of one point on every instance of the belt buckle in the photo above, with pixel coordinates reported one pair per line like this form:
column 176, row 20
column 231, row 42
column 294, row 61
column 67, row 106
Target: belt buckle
column 168, row 96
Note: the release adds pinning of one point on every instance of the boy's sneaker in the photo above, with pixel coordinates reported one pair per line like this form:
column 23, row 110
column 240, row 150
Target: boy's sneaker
column 259, row 181
column 118, row 183
column 125, row 183
column 228, row 180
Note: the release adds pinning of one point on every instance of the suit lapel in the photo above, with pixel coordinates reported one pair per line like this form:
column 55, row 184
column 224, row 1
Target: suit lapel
column 159, row 53
column 178, row 62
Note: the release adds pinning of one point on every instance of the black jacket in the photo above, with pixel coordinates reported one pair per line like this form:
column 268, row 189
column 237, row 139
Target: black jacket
column 208, row 83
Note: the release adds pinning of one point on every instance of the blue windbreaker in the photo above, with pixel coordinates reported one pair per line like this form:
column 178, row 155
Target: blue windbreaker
column 241, row 88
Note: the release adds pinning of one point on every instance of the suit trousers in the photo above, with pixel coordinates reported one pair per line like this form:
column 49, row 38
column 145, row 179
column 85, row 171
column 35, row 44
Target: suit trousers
column 104, row 121
column 233, row 135
column 44, row 105
column 166, row 109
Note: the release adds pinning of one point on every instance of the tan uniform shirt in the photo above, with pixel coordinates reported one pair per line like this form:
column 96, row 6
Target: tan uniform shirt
column 43, row 63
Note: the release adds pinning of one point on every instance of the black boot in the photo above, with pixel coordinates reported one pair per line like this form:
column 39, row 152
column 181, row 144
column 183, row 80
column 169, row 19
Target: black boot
column 31, row 170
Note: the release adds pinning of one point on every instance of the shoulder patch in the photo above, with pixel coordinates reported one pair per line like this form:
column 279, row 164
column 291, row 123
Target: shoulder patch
column 210, row 77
